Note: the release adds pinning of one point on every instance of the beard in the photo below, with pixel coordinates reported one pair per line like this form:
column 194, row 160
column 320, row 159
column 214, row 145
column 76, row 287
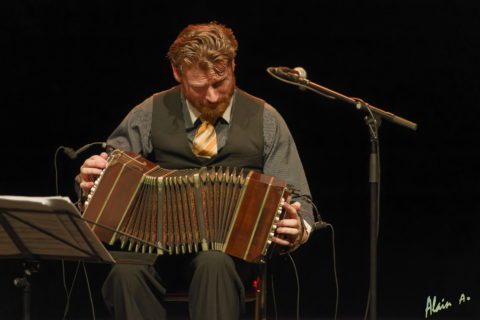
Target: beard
column 211, row 112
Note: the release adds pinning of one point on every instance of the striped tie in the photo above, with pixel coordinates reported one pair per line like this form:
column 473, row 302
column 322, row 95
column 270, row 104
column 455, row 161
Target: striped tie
column 204, row 143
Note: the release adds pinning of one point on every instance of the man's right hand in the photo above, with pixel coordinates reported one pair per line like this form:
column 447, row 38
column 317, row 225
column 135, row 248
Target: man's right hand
column 91, row 169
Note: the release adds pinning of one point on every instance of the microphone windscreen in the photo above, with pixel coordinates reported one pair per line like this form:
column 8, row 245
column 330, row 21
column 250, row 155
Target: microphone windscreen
column 70, row 152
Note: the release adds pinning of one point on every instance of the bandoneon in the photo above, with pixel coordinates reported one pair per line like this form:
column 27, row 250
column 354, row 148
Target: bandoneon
column 156, row 210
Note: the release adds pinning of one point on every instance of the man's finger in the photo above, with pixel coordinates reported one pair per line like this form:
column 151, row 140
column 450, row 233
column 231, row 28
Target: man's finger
column 280, row 241
column 287, row 231
column 88, row 171
column 293, row 223
column 86, row 185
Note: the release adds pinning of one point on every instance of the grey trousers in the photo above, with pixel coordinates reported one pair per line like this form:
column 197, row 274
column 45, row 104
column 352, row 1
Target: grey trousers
column 134, row 291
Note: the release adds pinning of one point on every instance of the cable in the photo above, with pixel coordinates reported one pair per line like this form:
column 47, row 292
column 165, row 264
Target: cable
column 72, row 154
column 298, row 285
column 64, row 278
column 377, row 213
column 273, row 297
column 56, row 168
column 298, row 289
column 337, row 299
column 367, row 307
column 320, row 224
column 89, row 290
column 69, row 294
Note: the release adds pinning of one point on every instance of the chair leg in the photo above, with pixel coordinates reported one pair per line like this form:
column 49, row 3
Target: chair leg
column 261, row 298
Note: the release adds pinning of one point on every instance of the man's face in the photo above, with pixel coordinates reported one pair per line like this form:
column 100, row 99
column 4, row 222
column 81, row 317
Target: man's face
column 207, row 91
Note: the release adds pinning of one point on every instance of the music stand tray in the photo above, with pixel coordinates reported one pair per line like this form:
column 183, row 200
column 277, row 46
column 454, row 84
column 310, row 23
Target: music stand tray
column 45, row 228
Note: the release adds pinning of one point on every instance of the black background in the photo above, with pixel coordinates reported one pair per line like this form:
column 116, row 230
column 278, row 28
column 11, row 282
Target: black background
column 72, row 70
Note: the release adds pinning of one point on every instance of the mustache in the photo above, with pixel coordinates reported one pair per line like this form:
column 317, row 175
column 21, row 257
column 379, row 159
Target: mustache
column 218, row 104
column 212, row 114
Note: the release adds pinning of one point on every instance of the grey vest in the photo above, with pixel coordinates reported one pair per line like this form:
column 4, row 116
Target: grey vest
column 244, row 145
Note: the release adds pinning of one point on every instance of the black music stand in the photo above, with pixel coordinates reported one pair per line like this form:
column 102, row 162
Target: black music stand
column 45, row 228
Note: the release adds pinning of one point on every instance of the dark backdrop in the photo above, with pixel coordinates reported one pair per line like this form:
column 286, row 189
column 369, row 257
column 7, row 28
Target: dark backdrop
column 72, row 70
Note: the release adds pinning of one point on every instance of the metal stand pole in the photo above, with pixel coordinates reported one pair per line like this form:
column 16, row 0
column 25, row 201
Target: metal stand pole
column 24, row 282
column 373, row 123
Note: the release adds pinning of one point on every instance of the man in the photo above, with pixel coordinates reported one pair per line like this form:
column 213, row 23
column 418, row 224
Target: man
column 204, row 121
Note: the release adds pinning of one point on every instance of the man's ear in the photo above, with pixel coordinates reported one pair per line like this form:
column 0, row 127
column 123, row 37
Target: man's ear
column 176, row 73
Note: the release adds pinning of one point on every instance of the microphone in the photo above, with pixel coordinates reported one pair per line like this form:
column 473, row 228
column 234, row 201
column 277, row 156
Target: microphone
column 72, row 154
column 296, row 74
column 319, row 225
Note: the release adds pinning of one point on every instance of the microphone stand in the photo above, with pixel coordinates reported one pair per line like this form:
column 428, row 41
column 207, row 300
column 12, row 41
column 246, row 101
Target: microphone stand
column 373, row 121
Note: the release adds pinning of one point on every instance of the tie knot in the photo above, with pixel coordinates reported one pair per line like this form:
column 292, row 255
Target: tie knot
column 203, row 120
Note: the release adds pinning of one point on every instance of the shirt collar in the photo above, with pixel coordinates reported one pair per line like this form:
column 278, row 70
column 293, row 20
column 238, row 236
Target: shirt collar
column 195, row 114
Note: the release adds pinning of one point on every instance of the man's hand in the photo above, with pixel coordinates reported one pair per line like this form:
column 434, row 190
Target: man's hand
column 290, row 230
column 91, row 169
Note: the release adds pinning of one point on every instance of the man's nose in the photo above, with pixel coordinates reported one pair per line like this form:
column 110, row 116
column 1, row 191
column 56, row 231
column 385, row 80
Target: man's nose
column 212, row 95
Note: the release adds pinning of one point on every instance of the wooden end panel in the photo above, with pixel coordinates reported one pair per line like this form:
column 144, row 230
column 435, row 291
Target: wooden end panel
column 246, row 218
column 115, row 200
column 265, row 223
column 94, row 208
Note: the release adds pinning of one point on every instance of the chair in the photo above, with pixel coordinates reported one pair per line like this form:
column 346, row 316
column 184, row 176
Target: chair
column 257, row 293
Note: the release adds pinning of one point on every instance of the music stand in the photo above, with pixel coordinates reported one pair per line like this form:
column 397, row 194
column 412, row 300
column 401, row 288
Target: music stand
column 45, row 228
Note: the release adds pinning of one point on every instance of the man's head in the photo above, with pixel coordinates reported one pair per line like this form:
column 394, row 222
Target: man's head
column 203, row 61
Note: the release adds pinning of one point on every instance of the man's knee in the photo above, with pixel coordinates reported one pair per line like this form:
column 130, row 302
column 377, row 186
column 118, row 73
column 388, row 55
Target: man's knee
column 214, row 261
column 133, row 292
column 125, row 276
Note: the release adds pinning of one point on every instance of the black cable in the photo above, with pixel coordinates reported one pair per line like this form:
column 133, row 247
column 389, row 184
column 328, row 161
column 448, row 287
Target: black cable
column 367, row 307
column 72, row 154
column 69, row 293
column 64, row 278
column 274, row 300
column 337, row 299
column 298, row 285
column 56, row 169
column 320, row 224
column 89, row 290
column 298, row 289
column 377, row 227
